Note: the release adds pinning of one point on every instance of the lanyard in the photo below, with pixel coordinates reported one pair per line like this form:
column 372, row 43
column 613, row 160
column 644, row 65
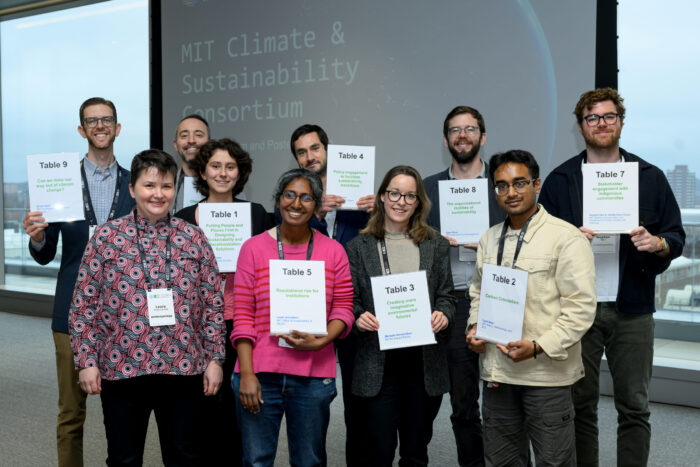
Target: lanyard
column 142, row 252
column 87, row 200
column 280, row 251
column 502, row 240
column 385, row 257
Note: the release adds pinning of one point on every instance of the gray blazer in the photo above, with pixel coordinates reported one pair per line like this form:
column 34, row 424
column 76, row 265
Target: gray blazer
column 369, row 360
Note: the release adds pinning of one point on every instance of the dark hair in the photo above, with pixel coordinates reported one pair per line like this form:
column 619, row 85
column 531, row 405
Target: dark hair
column 196, row 117
column 590, row 98
column 144, row 160
column 286, row 178
column 97, row 101
column 463, row 109
column 242, row 158
column 418, row 228
column 305, row 130
column 514, row 155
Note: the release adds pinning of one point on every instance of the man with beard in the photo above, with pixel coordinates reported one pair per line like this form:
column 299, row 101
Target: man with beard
column 624, row 324
column 105, row 196
column 464, row 134
column 191, row 134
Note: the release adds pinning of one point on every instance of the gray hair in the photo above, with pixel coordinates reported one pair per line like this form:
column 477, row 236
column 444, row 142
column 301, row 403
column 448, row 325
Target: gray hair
column 287, row 177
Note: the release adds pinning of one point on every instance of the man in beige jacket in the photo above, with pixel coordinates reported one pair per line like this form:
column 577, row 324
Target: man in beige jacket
column 527, row 382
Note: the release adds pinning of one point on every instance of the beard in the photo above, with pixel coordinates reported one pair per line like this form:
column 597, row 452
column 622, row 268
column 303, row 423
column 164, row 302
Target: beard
column 593, row 143
column 464, row 157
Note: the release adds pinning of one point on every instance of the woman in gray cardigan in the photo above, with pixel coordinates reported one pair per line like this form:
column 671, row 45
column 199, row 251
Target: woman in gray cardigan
column 401, row 389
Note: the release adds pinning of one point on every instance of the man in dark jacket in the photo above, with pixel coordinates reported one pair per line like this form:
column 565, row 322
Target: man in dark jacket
column 106, row 196
column 464, row 134
column 624, row 323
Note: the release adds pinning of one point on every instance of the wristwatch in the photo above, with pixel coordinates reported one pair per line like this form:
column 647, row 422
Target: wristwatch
column 664, row 244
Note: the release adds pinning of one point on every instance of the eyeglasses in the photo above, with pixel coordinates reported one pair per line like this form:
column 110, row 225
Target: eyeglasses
column 91, row 122
column 292, row 195
column 394, row 196
column 502, row 189
column 456, row 131
column 593, row 119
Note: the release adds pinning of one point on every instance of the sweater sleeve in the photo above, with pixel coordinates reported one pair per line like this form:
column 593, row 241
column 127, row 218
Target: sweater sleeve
column 341, row 305
column 244, row 290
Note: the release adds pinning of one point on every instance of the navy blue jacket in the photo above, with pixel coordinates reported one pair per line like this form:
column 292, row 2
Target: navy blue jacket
column 562, row 194
column 75, row 237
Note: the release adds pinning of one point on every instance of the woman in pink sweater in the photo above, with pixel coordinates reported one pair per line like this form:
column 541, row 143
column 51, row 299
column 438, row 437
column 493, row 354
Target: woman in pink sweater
column 291, row 374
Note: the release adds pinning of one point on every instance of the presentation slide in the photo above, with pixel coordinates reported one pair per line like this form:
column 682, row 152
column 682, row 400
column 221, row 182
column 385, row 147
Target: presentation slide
column 380, row 74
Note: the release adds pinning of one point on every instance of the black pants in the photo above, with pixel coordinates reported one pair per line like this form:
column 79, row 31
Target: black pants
column 402, row 406
column 464, row 390
column 177, row 403
column 354, row 433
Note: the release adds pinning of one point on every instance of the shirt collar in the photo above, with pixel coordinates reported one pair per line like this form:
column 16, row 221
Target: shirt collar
column 93, row 169
column 482, row 174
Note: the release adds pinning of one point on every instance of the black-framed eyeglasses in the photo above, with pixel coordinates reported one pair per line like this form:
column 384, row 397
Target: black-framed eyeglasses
column 91, row 122
column 456, row 131
column 502, row 189
column 292, row 195
column 394, row 196
column 609, row 118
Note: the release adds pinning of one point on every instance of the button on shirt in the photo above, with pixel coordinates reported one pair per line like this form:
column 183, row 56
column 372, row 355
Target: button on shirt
column 101, row 185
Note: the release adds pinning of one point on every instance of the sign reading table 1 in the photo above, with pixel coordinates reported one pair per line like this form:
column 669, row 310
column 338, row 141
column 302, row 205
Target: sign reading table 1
column 227, row 226
column 55, row 186
column 402, row 307
column 611, row 197
column 464, row 209
column 350, row 173
column 501, row 304
column 298, row 297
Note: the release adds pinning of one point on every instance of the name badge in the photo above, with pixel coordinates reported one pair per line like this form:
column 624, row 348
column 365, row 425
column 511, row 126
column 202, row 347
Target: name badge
column 91, row 231
column 466, row 254
column 161, row 307
column 604, row 243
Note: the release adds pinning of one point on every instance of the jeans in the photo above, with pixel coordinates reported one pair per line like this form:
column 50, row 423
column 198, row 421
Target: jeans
column 628, row 342
column 305, row 403
column 71, row 405
column 463, row 366
column 515, row 414
column 177, row 403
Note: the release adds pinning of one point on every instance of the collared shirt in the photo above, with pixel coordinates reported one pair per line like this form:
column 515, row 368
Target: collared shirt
column 559, row 306
column 463, row 268
column 102, row 185
column 108, row 320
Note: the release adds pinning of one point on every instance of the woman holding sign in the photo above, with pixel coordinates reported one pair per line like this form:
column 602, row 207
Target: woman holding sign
column 146, row 324
column 291, row 373
column 223, row 168
column 401, row 388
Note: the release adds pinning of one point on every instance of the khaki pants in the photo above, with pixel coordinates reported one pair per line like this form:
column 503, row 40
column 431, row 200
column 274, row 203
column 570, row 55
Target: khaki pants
column 71, row 405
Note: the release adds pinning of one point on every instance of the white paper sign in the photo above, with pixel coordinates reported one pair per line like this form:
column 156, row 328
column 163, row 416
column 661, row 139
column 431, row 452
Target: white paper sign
column 350, row 173
column 402, row 307
column 501, row 304
column 190, row 195
column 227, row 226
column 161, row 307
column 464, row 209
column 298, row 297
column 611, row 197
column 54, row 186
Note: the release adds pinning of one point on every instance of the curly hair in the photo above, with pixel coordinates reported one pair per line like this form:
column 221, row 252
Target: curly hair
column 242, row 158
column 589, row 98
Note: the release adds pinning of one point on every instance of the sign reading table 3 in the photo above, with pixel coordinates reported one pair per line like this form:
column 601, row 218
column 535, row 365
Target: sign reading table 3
column 501, row 304
column 298, row 297
column 402, row 307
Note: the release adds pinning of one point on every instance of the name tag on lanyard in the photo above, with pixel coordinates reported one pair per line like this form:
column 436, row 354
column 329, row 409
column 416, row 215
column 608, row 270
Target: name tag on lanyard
column 161, row 307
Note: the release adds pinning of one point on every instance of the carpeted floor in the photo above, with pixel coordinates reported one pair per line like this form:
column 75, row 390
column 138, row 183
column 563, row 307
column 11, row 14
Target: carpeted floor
column 28, row 410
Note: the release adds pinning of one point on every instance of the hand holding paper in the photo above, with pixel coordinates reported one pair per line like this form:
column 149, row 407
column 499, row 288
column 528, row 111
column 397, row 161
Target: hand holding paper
column 34, row 225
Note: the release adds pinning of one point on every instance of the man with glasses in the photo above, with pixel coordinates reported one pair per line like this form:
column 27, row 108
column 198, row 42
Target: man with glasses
column 527, row 381
column 464, row 134
column 105, row 196
column 309, row 145
column 624, row 324
column 190, row 135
